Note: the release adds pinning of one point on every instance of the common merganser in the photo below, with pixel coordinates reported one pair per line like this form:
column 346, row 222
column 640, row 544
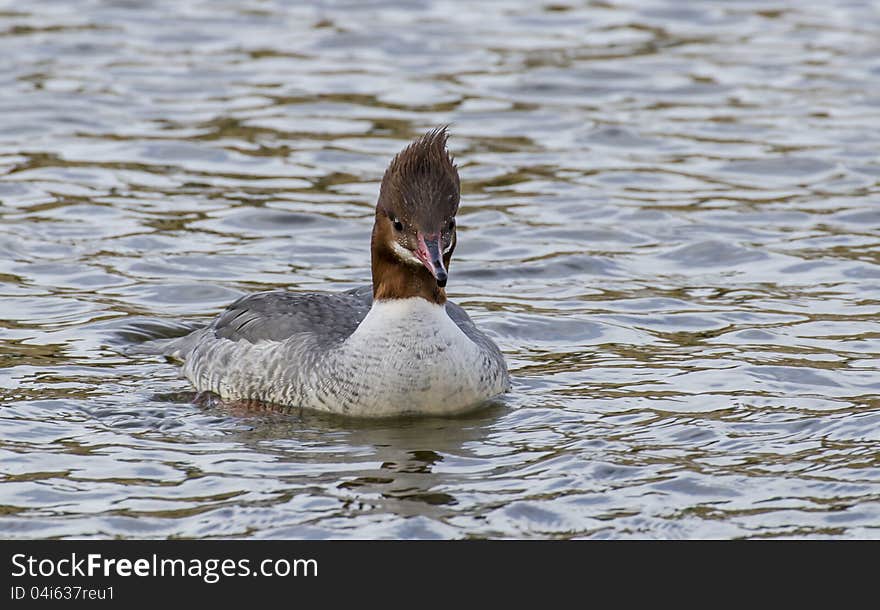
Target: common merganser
column 398, row 348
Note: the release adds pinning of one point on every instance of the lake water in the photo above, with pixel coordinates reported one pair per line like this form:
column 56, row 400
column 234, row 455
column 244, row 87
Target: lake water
column 670, row 223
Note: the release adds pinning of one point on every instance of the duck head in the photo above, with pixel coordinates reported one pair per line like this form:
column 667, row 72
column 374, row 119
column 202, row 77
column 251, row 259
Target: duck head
column 414, row 229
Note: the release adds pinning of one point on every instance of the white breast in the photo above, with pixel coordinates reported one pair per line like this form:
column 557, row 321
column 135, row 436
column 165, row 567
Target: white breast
column 407, row 355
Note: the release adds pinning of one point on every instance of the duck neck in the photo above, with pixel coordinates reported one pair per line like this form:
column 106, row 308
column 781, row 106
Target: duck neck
column 396, row 279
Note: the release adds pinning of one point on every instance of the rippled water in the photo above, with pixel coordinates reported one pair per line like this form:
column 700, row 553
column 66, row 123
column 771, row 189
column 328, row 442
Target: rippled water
column 670, row 224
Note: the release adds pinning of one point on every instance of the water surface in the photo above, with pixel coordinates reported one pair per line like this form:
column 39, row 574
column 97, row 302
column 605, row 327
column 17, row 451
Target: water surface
column 670, row 225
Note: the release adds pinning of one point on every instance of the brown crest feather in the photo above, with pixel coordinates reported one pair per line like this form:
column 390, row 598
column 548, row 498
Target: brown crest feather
column 421, row 184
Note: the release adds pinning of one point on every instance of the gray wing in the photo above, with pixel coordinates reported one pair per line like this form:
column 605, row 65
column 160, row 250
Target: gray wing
column 277, row 315
column 467, row 326
column 325, row 318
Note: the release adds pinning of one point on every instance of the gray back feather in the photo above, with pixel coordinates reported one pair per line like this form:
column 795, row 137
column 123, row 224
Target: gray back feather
column 322, row 319
column 277, row 315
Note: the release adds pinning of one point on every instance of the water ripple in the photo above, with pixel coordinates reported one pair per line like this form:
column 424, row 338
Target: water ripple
column 669, row 225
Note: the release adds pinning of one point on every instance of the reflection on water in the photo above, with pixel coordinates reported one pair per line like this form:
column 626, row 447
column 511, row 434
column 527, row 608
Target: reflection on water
column 669, row 224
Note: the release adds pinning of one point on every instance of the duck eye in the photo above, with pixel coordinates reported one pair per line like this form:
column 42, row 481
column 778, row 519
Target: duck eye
column 398, row 226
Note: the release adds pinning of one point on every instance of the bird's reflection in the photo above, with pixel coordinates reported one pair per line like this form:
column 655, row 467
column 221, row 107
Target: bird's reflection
column 400, row 485
column 407, row 450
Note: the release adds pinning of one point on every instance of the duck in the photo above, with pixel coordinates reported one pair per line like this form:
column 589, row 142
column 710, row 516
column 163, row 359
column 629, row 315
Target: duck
column 397, row 347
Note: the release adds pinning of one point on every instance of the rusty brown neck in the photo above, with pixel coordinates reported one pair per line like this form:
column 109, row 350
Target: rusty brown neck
column 396, row 279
